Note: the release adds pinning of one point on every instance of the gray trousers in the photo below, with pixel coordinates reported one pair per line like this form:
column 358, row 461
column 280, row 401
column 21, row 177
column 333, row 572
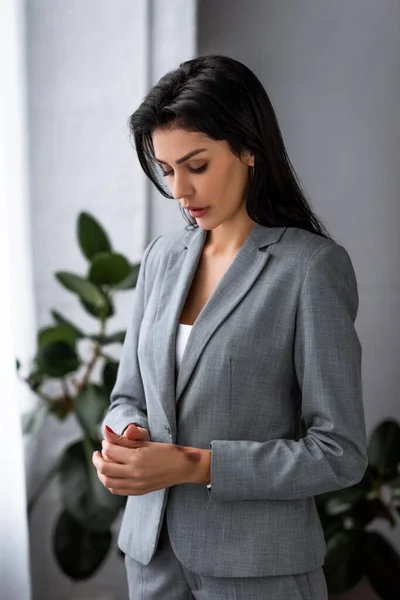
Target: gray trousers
column 165, row 578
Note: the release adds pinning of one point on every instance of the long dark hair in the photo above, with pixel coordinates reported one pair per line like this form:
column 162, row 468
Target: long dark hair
column 223, row 99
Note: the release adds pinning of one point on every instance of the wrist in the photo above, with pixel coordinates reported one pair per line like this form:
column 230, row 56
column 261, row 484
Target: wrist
column 200, row 471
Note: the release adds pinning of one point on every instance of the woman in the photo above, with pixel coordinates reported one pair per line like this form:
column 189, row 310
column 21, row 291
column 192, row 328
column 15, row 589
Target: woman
column 238, row 396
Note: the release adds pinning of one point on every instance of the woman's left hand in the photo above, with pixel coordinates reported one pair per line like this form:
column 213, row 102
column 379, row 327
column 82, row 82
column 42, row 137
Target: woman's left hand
column 148, row 466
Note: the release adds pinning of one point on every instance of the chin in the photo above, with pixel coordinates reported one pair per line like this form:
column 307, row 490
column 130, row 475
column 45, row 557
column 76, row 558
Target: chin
column 207, row 227
column 210, row 225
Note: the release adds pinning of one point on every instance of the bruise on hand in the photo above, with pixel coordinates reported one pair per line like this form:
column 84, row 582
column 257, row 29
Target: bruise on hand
column 191, row 455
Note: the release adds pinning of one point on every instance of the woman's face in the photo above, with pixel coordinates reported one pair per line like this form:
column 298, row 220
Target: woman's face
column 203, row 173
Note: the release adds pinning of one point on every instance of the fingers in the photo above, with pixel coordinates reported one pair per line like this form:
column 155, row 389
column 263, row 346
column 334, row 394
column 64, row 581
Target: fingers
column 123, row 440
column 107, row 469
column 111, row 436
column 133, row 432
column 118, row 453
column 115, row 477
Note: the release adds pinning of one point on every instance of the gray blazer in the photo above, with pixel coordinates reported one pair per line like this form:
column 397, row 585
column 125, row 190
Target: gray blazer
column 270, row 381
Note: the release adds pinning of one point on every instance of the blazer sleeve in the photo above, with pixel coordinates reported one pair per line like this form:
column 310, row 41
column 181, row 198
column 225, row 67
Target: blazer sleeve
column 128, row 402
column 327, row 358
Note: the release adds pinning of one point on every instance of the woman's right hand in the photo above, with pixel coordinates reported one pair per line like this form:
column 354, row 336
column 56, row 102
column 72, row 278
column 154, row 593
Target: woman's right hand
column 132, row 433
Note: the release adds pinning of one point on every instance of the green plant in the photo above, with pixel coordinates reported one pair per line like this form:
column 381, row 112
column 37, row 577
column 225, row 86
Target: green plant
column 82, row 533
column 354, row 550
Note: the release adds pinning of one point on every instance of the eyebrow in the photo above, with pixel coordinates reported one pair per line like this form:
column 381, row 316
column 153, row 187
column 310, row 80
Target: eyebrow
column 186, row 157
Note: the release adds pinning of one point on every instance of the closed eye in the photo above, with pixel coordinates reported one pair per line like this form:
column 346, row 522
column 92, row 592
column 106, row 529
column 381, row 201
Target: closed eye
column 190, row 169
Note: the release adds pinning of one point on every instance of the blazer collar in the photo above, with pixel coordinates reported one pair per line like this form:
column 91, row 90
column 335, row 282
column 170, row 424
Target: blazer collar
column 261, row 236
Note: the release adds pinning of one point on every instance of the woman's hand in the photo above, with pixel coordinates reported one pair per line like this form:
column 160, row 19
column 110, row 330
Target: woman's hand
column 134, row 467
column 132, row 432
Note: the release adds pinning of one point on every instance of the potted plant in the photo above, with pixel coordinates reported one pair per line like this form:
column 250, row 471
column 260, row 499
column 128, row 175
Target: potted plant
column 82, row 533
column 354, row 549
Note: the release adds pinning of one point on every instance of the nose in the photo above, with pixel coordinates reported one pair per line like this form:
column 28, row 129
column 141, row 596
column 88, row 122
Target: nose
column 181, row 187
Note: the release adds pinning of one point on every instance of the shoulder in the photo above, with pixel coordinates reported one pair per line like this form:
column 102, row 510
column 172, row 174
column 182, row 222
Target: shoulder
column 157, row 251
column 309, row 251
column 322, row 267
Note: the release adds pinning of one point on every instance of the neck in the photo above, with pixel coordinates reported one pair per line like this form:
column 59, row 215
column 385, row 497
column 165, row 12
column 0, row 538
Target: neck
column 229, row 237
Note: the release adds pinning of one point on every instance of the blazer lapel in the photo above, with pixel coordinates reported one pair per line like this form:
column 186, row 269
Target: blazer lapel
column 179, row 273
column 246, row 267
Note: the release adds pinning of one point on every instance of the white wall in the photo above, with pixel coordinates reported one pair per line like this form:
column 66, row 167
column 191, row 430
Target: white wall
column 16, row 302
column 332, row 70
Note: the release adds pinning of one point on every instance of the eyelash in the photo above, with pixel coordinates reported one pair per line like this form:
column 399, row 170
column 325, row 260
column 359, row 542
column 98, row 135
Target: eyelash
column 196, row 171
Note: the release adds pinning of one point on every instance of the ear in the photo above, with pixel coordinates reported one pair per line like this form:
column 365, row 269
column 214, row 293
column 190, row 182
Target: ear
column 248, row 159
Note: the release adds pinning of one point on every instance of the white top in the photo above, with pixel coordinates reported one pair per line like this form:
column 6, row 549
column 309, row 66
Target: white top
column 182, row 337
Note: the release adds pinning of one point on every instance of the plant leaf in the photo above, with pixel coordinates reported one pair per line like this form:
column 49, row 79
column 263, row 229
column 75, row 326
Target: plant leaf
column 381, row 566
column 79, row 551
column 48, row 478
column 90, row 406
column 28, row 422
column 395, row 484
column 61, row 320
column 85, row 289
column 91, row 236
column 330, row 524
column 104, row 340
column 130, row 280
column 57, row 359
column 343, row 565
column 110, row 371
column 83, row 495
column 108, row 268
column 61, row 408
column 366, row 510
column 32, row 420
column 345, row 496
column 57, row 333
column 35, row 377
column 384, row 446
column 99, row 313
column 344, row 499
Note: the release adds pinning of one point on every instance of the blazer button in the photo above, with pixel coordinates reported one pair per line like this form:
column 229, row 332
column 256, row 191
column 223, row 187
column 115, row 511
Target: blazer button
column 169, row 431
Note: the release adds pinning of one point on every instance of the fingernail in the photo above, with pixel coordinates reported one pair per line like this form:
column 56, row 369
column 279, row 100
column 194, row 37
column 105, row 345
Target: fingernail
column 109, row 429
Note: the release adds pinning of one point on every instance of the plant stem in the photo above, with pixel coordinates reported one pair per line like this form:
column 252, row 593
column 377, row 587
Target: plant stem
column 65, row 388
column 90, row 367
column 93, row 360
column 74, row 383
column 107, row 357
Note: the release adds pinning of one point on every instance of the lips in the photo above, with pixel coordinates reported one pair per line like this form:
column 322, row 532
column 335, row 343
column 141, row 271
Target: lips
column 197, row 212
